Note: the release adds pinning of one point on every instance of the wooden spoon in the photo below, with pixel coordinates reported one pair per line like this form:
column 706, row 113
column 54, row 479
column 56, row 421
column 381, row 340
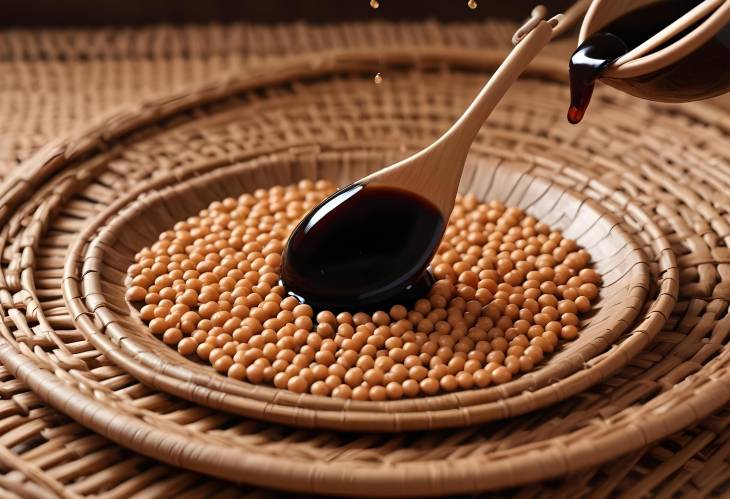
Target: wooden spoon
column 371, row 242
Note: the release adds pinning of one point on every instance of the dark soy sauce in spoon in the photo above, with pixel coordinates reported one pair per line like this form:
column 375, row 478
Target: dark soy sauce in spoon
column 701, row 74
column 365, row 247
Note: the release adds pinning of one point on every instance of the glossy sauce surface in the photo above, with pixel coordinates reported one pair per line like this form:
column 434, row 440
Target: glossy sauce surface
column 701, row 74
column 586, row 64
column 364, row 247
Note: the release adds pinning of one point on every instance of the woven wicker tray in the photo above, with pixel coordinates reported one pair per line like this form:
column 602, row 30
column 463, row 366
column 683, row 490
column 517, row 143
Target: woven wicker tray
column 522, row 449
column 99, row 281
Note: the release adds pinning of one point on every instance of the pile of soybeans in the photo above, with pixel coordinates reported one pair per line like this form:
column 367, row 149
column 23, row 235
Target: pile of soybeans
column 508, row 290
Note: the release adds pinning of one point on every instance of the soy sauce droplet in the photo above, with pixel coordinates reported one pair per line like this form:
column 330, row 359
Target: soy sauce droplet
column 374, row 4
column 378, row 79
column 472, row 4
column 575, row 114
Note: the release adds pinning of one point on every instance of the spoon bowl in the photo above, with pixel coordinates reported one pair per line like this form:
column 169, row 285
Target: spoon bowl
column 364, row 244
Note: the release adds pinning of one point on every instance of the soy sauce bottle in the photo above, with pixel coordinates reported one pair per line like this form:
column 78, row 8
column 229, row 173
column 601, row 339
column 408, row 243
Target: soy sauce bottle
column 701, row 74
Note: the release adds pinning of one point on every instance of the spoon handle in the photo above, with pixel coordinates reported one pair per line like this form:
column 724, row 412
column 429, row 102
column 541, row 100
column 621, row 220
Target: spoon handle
column 435, row 171
column 462, row 133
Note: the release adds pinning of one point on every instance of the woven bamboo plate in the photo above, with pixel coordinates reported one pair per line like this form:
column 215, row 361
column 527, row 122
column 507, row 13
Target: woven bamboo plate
column 67, row 185
column 100, row 281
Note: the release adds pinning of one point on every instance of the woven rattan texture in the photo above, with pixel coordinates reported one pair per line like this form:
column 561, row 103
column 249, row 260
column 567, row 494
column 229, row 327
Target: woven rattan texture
column 36, row 438
column 100, row 282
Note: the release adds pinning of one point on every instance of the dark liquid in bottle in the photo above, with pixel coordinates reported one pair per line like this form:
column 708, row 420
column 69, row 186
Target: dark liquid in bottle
column 701, row 74
column 364, row 247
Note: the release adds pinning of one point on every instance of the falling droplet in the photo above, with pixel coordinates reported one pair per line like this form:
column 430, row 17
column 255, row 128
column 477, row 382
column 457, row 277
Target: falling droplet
column 575, row 114
column 472, row 4
column 378, row 79
column 374, row 4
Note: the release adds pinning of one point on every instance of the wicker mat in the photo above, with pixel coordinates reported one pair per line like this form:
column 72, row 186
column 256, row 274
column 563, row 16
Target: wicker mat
column 55, row 83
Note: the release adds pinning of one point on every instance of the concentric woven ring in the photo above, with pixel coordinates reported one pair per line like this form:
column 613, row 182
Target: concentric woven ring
column 622, row 263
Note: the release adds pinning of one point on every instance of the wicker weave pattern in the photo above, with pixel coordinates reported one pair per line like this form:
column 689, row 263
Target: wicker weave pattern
column 97, row 280
column 680, row 347
column 51, row 80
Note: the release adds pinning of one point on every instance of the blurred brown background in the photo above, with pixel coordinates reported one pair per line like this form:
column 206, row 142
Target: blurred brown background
column 19, row 13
